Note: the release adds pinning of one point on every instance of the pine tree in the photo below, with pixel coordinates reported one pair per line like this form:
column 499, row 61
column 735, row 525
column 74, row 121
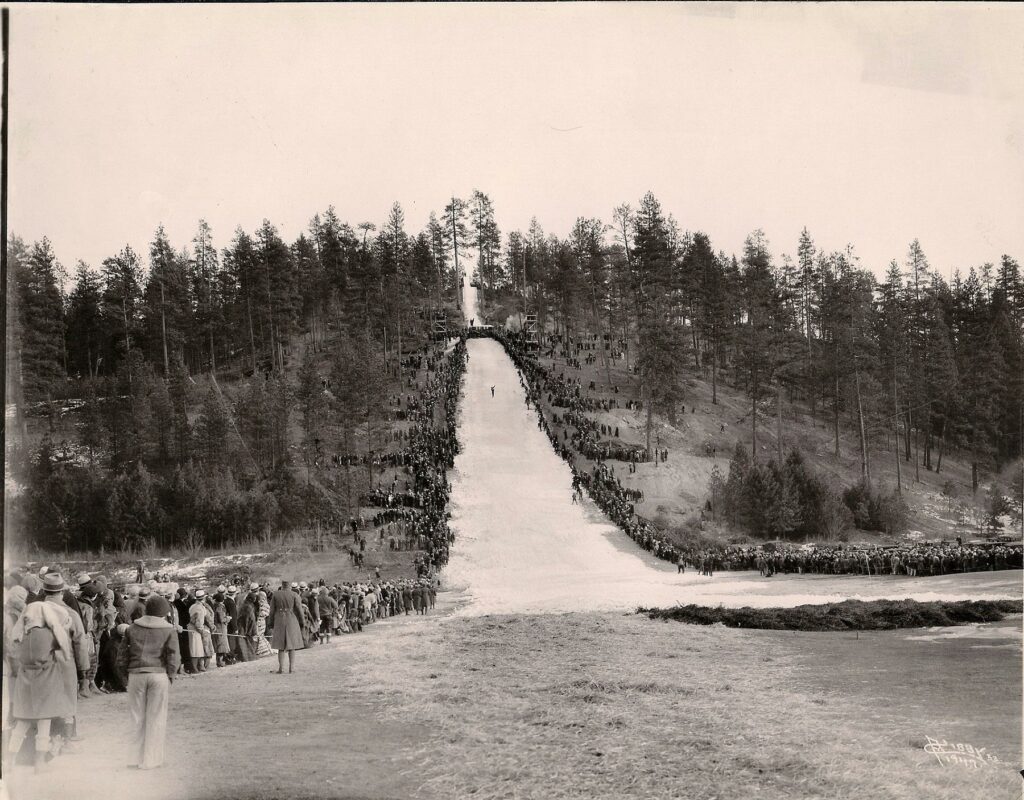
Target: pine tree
column 179, row 390
column 312, row 403
column 122, row 304
column 85, row 329
column 40, row 323
column 762, row 342
column 213, row 431
column 166, row 311
column 279, row 292
column 240, row 262
column 456, row 232
column 808, row 279
column 204, row 282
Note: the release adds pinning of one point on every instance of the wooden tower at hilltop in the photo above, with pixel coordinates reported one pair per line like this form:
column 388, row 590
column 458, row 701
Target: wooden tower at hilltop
column 530, row 332
column 439, row 328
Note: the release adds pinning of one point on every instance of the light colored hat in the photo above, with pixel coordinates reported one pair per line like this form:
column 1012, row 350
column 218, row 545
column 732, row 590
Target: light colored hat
column 200, row 593
column 32, row 583
column 83, row 578
column 295, row 585
column 303, row 585
column 53, row 583
column 254, row 586
column 222, row 588
column 232, row 589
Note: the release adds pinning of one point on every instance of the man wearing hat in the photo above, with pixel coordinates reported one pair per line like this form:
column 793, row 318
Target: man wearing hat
column 198, row 632
column 149, row 655
column 221, row 643
column 231, row 606
column 86, row 604
column 133, row 606
column 286, row 611
column 73, row 671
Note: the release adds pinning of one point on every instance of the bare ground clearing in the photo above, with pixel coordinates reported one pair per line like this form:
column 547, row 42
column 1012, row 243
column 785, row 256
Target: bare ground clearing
column 578, row 705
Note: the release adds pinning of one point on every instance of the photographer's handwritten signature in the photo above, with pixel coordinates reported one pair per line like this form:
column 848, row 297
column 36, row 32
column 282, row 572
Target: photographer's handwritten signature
column 959, row 753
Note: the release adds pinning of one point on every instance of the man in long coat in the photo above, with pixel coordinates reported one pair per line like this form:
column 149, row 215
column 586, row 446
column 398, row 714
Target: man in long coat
column 230, row 604
column 245, row 648
column 286, row 611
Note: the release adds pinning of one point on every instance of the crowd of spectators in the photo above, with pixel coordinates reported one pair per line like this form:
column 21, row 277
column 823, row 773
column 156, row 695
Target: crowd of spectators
column 619, row 503
column 63, row 645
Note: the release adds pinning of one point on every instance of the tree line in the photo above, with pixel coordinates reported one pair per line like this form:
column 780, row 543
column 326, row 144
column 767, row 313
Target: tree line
column 156, row 454
column 910, row 362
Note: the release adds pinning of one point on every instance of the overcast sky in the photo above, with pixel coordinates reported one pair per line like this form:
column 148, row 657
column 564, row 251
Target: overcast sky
column 871, row 125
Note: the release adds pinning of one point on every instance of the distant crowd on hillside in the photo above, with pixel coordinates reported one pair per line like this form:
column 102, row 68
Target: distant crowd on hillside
column 415, row 513
column 619, row 503
column 941, row 558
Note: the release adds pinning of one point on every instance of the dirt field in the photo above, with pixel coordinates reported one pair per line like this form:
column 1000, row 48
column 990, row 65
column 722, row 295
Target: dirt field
column 577, row 705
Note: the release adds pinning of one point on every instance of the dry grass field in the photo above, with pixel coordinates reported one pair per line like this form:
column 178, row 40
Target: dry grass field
column 580, row 706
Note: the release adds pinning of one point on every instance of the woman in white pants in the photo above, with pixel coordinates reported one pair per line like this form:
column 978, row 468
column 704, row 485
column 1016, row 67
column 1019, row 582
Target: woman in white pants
column 149, row 655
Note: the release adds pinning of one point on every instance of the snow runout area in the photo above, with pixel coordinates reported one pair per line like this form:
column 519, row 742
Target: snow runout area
column 522, row 545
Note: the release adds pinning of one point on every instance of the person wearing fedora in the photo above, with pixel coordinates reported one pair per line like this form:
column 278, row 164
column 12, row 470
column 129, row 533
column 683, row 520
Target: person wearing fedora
column 198, row 632
column 149, row 656
column 231, row 599
column 75, row 669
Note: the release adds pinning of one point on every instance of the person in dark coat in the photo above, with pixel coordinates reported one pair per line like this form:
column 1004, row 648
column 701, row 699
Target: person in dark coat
column 231, row 605
column 108, row 678
column 183, row 604
column 407, row 598
column 286, row 611
column 245, row 627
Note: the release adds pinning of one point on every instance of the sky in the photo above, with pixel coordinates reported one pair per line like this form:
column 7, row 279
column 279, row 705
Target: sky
column 869, row 125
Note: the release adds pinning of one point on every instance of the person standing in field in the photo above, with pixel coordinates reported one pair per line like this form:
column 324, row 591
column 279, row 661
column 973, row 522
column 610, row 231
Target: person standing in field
column 149, row 655
column 245, row 642
column 286, row 611
column 44, row 653
column 198, row 632
column 56, row 593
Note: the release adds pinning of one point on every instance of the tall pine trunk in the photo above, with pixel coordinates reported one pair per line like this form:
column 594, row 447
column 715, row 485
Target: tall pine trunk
column 896, row 433
column 942, row 446
column 865, row 467
column 714, row 373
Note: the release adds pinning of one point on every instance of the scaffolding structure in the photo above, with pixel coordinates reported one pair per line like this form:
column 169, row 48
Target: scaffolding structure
column 439, row 329
column 530, row 332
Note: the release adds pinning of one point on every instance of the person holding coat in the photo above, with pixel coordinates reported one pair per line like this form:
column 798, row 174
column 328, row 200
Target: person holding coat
column 286, row 611
column 40, row 695
column 14, row 605
column 149, row 656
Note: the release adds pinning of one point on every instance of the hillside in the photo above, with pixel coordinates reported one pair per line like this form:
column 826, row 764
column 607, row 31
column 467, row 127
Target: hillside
column 705, row 434
column 337, row 490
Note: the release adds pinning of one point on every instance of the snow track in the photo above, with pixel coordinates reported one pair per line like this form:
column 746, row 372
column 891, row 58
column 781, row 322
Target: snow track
column 523, row 546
